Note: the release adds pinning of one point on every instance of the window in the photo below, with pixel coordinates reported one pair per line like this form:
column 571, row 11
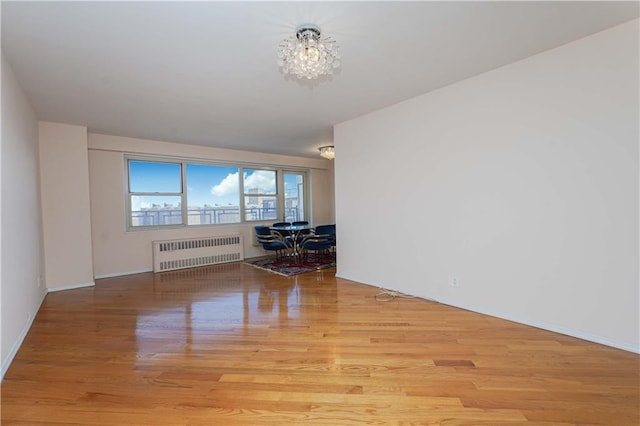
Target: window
column 213, row 193
column 155, row 193
column 260, row 201
column 173, row 193
column 294, row 197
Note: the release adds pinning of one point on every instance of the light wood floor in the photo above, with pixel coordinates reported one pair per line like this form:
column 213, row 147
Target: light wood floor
column 232, row 344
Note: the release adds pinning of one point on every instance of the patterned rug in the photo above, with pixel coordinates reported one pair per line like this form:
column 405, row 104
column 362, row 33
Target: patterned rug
column 289, row 267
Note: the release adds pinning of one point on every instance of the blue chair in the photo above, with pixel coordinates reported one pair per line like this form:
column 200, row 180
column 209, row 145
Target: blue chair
column 271, row 242
column 283, row 232
column 327, row 230
column 303, row 232
column 321, row 240
column 282, row 224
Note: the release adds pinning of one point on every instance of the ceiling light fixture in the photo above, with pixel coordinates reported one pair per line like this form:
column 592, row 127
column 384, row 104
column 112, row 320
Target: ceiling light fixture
column 327, row 152
column 308, row 55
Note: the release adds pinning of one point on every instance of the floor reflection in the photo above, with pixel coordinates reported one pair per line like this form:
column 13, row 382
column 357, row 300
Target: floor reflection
column 193, row 310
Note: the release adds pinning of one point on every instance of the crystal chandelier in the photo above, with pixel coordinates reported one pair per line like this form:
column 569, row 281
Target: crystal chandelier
column 327, row 152
column 307, row 55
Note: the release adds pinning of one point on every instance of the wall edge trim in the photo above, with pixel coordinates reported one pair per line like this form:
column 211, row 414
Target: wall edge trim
column 18, row 343
column 567, row 331
column 71, row 287
column 120, row 274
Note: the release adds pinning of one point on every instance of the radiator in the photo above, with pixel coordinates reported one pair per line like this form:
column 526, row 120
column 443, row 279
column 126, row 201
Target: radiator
column 188, row 253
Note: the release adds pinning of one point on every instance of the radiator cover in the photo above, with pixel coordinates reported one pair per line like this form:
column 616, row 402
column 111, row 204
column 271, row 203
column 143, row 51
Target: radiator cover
column 169, row 255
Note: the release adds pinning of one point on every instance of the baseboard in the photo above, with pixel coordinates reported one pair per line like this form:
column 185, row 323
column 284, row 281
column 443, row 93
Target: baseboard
column 549, row 327
column 121, row 274
column 16, row 346
column 537, row 324
column 71, row 287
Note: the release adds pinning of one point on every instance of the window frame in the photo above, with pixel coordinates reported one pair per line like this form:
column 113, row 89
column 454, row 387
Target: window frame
column 129, row 194
column 186, row 192
column 280, row 195
column 244, row 194
column 305, row 200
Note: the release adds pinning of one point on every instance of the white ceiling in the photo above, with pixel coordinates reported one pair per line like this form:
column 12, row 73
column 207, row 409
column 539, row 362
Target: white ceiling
column 205, row 72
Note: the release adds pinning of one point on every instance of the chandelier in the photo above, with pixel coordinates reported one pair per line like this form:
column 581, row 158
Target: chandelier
column 307, row 55
column 327, row 152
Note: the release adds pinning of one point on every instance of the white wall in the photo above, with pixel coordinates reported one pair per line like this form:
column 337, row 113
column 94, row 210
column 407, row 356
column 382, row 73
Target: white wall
column 117, row 252
column 322, row 194
column 64, row 171
column 522, row 182
column 22, row 258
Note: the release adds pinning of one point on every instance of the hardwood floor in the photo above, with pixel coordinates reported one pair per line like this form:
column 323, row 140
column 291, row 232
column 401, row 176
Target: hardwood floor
column 232, row 344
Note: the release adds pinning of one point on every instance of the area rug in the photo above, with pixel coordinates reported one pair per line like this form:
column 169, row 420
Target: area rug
column 289, row 267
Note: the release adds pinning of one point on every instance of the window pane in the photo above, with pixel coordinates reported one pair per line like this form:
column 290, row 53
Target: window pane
column 213, row 194
column 148, row 176
column 293, row 197
column 259, row 182
column 260, row 208
column 152, row 210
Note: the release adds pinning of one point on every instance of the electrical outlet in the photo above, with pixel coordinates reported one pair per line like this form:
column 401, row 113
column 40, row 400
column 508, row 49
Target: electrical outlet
column 453, row 281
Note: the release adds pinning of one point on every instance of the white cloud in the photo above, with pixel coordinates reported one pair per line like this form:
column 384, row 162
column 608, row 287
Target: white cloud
column 228, row 186
column 257, row 179
column 261, row 179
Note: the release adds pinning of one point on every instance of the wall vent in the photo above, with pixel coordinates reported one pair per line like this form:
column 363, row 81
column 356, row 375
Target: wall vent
column 170, row 255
